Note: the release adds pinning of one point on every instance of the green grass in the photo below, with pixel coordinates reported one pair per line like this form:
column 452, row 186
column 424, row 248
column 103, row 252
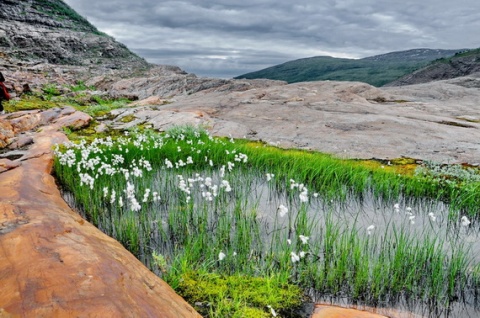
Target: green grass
column 51, row 96
column 175, row 203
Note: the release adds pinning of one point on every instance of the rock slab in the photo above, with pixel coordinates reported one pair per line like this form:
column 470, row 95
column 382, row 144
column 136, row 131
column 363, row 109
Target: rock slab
column 55, row 264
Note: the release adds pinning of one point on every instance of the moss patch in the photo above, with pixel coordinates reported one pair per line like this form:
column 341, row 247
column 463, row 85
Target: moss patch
column 238, row 296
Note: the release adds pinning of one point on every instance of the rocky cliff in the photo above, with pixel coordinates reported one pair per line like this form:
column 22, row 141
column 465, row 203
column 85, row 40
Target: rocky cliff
column 462, row 64
column 49, row 31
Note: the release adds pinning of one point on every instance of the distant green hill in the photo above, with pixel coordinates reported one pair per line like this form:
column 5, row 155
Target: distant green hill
column 375, row 70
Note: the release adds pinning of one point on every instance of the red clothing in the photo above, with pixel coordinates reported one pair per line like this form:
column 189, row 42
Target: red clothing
column 3, row 92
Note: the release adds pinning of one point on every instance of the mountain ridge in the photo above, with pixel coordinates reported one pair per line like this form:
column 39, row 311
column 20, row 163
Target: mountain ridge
column 376, row 70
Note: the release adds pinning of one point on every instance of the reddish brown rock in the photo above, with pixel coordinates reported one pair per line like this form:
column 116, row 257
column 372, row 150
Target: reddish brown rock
column 55, row 264
column 152, row 100
column 73, row 121
column 332, row 311
column 328, row 311
column 6, row 132
column 6, row 164
column 26, row 122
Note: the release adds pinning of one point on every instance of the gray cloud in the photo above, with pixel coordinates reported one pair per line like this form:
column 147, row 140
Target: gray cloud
column 225, row 39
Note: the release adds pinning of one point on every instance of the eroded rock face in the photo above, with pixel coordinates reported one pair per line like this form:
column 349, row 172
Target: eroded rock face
column 54, row 263
column 50, row 31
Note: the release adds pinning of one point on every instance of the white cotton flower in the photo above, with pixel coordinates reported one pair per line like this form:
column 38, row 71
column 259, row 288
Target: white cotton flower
column 304, row 196
column 294, row 257
column 302, row 254
column 408, row 209
column 146, row 195
column 270, row 176
column 137, row 172
column 135, row 205
column 396, row 206
column 289, row 242
column 208, row 181
column 465, row 221
column 282, row 210
column 168, row 163
column 226, row 185
column 130, row 191
column 304, row 239
column 272, row 311
column 370, row 229
column 112, row 197
column 222, row 171
column 432, row 216
column 412, row 219
column 221, row 256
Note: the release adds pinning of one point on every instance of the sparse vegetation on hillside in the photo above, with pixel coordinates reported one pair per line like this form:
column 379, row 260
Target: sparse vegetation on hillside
column 59, row 10
column 376, row 70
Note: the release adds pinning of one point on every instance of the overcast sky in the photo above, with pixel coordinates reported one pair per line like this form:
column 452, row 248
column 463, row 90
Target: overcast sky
column 224, row 38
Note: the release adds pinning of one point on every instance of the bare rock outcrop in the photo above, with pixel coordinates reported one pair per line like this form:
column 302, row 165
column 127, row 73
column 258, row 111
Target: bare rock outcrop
column 17, row 128
column 436, row 121
column 54, row 263
column 462, row 64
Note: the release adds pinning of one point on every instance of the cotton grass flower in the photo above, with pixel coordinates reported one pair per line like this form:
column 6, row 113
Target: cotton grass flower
column 432, row 217
column 304, row 239
column 282, row 210
column 226, row 185
column 412, row 219
column 272, row 311
column 221, row 256
column 294, row 257
column 370, row 229
column 465, row 221
column 304, row 196
column 396, row 207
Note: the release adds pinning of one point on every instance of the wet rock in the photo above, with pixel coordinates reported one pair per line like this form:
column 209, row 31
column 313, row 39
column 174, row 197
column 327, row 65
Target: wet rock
column 329, row 311
column 54, row 263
